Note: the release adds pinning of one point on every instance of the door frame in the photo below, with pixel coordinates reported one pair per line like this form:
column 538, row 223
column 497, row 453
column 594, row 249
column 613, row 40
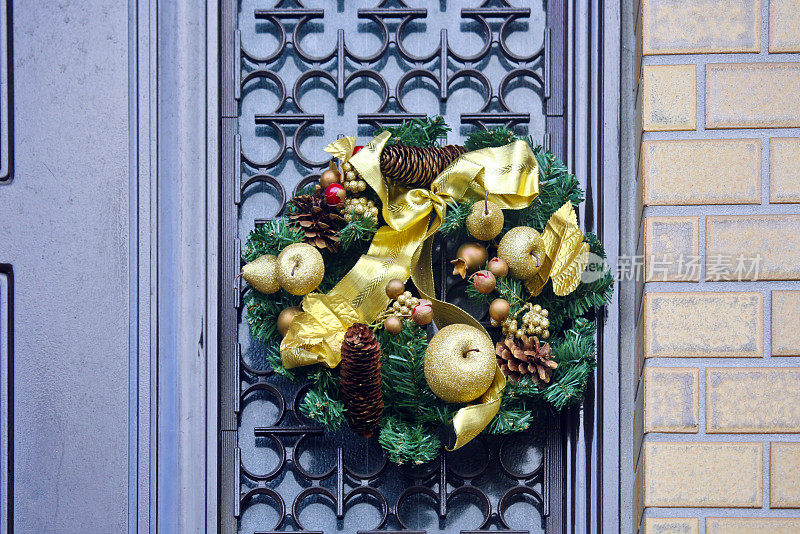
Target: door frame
column 174, row 275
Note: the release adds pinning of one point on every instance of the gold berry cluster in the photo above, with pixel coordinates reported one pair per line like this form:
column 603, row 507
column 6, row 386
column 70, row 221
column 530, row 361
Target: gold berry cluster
column 404, row 304
column 351, row 182
column 534, row 322
column 360, row 206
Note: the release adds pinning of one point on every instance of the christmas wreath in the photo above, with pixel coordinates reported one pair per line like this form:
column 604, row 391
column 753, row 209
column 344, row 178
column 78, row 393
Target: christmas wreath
column 331, row 300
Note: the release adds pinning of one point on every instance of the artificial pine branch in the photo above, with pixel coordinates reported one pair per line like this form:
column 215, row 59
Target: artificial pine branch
column 359, row 228
column 318, row 406
column 405, row 389
column 513, row 416
column 274, row 359
column 455, row 217
column 498, row 136
column 270, row 238
column 408, row 444
column 263, row 311
column 425, row 132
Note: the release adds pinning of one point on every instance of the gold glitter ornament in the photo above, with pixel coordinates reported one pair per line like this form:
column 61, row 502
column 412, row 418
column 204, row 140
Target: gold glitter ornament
column 485, row 221
column 522, row 248
column 262, row 274
column 300, row 268
column 460, row 363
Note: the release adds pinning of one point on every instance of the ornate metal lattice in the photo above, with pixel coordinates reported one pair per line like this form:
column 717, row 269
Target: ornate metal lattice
column 293, row 78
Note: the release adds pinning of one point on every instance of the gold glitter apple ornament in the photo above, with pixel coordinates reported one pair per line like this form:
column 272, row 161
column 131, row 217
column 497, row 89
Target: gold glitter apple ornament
column 300, row 268
column 460, row 363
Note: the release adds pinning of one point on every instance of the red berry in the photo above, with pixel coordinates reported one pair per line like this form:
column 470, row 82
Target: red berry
column 357, row 148
column 422, row 313
column 334, row 194
column 484, row 281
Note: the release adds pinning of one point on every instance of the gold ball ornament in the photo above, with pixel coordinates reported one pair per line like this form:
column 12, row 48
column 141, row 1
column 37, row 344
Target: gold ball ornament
column 499, row 310
column 469, row 258
column 522, row 248
column 329, row 176
column 395, row 288
column 460, row 363
column 300, row 268
column 286, row 317
column 262, row 274
column 485, row 221
column 393, row 324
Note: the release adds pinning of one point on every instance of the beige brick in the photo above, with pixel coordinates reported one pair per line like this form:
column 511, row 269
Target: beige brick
column 784, row 25
column 752, row 525
column 784, row 170
column 747, row 95
column 669, row 97
column 702, row 474
column 701, row 26
column 703, row 324
column 753, row 247
column 784, row 475
column 671, row 249
column 785, row 323
column 752, row 400
column 671, row 525
column 671, row 402
column 724, row 171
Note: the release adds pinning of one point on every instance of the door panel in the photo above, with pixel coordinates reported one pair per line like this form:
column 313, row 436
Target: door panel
column 293, row 79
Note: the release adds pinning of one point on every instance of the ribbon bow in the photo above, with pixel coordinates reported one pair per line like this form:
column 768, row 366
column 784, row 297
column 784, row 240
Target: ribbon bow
column 402, row 248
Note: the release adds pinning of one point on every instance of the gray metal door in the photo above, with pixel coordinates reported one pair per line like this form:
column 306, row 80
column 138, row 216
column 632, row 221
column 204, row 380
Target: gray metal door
column 294, row 77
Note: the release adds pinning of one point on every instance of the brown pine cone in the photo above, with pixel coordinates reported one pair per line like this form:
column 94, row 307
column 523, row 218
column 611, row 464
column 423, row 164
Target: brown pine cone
column 360, row 379
column 414, row 166
column 319, row 221
column 525, row 356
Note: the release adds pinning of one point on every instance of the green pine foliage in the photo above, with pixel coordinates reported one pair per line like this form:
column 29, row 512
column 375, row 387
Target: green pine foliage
column 455, row 217
column 322, row 403
column 498, row 136
column 407, row 444
column 263, row 311
column 360, row 228
column 426, row 132
column 270, row 238
column 405, row 391
column 320, row 407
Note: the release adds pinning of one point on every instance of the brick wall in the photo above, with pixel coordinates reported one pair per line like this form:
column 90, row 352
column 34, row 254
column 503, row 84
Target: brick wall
column 717, row 418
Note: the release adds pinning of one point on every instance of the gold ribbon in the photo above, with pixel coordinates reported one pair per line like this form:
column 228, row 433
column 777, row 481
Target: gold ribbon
column 402, row 248
column 565, row 254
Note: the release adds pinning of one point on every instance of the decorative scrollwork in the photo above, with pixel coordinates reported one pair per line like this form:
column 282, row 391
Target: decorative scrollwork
column 276, row 121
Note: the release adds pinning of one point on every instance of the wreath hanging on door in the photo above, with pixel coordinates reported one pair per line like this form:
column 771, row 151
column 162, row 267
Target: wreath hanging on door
column 342, row 292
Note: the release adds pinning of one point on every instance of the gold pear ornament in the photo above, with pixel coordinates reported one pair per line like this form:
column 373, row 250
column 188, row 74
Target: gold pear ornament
column 460, row 363
column 523, row 250
column 262, row 274
column 300, row 268
column 485, row 221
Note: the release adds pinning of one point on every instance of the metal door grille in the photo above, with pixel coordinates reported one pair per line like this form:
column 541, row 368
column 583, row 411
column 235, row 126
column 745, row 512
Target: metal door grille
column 295, row 76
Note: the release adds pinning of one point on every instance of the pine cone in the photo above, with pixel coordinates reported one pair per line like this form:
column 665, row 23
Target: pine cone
column 360, row 379
column 525, row 356
column 414, row 166
column 319, row 221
